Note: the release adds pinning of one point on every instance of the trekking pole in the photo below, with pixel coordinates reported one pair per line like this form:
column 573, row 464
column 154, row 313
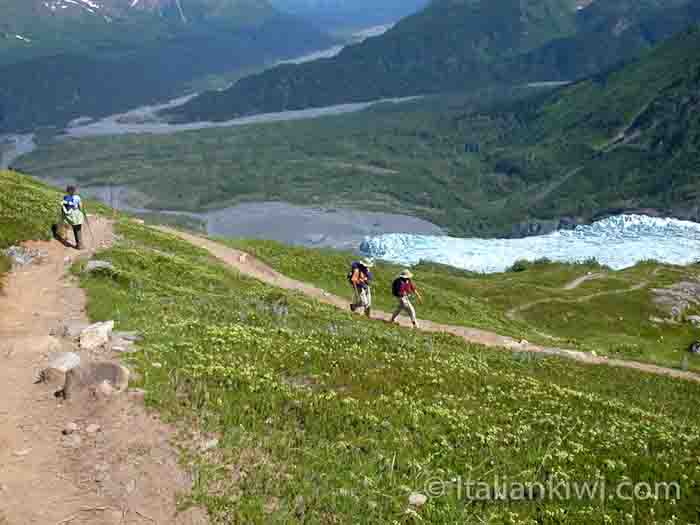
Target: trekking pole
column 89, row 228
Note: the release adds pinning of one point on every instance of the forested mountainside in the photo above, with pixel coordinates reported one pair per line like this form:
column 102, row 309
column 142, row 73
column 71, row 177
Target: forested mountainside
column 456, row 46
column 60, row 60
column 343, row 14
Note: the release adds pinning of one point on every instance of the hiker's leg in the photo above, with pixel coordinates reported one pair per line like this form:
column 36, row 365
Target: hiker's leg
column 78, row 233
column 397, row 312
column 368, row 301
column 411, row 310
column 355, row 299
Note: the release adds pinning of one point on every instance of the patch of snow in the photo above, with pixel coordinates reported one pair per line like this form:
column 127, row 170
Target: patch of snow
column 80, row 4
column 91, row 4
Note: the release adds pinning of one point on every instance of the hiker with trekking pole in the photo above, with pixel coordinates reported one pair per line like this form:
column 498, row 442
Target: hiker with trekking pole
column 360, row 279
column 403, row 289
column 72, row 213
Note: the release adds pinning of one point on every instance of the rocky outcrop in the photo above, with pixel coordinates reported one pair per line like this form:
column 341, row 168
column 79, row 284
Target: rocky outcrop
column 677, row 299
column 21, row 256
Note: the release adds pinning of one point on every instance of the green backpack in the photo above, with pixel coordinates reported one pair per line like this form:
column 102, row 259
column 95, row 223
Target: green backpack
column 71, row 212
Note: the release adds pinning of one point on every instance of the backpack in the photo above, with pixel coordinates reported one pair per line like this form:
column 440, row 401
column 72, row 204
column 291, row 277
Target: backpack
column 362, row 270
column 71, row 212
column 396, row 287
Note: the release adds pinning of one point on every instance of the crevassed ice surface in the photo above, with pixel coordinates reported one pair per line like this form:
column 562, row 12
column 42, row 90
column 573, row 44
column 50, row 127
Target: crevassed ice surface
column 618, row 242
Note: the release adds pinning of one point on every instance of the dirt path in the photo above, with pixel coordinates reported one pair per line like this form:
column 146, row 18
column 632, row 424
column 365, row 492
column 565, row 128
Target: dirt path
column 252, row 267
column 123, row 473
column 578, row 282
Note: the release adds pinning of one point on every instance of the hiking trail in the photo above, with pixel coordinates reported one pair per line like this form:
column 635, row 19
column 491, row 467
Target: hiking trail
column 123, row 473
column 249, row 265
column 579, row 281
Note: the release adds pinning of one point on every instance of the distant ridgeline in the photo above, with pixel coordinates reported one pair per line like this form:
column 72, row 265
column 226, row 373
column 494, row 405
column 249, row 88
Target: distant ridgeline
column 456, row 46
column 62, row 59
column 344, row 14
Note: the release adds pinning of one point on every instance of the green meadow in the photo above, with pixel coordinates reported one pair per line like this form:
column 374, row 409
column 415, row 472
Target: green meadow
column 611, row 314
column 324, row 417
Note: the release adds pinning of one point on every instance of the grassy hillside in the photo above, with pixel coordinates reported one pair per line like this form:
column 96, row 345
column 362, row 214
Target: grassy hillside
column 611, row 314
column 491, row 163
column 455, row 46
column 27, row 209
column 323, row 417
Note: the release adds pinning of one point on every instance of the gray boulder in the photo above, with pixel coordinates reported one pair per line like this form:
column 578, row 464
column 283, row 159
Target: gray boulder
column 103, row 379
column 64, row 361
column 132, row 337
column 96, row 335
column 99, row 266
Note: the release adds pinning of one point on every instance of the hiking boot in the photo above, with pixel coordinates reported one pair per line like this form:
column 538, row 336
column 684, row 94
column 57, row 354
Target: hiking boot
column 368, row 312
column 353, row 307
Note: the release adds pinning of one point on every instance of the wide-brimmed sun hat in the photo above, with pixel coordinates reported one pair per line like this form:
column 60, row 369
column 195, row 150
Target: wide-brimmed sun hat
column 367, row 263
column 406, row 274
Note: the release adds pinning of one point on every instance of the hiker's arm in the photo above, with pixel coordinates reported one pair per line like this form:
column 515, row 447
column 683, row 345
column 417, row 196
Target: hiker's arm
column 355, row 279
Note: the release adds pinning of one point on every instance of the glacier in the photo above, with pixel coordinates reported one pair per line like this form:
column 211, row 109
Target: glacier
column 618, row 242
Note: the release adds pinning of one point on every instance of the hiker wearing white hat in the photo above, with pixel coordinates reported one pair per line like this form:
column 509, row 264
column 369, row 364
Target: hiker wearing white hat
column 360, row 279
column 403, row 288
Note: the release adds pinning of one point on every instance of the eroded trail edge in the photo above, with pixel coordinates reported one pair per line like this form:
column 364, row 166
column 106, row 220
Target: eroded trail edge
column 249, row 265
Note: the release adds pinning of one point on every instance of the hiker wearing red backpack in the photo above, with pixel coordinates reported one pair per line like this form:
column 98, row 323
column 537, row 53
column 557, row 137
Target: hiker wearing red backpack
column 403, row 289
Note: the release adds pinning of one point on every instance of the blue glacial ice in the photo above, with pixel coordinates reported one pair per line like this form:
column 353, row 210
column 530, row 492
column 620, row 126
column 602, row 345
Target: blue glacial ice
column 618, row 242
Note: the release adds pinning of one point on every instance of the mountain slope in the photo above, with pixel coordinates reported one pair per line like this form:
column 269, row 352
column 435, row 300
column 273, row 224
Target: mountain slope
column 625, row 140
column 64, row 59
column 628, row 139
column 453, row 46
column 343, row 14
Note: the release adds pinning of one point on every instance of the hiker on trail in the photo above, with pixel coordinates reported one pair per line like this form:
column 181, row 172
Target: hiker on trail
column 403, row 288
column 72, row 214
column 360, row 279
